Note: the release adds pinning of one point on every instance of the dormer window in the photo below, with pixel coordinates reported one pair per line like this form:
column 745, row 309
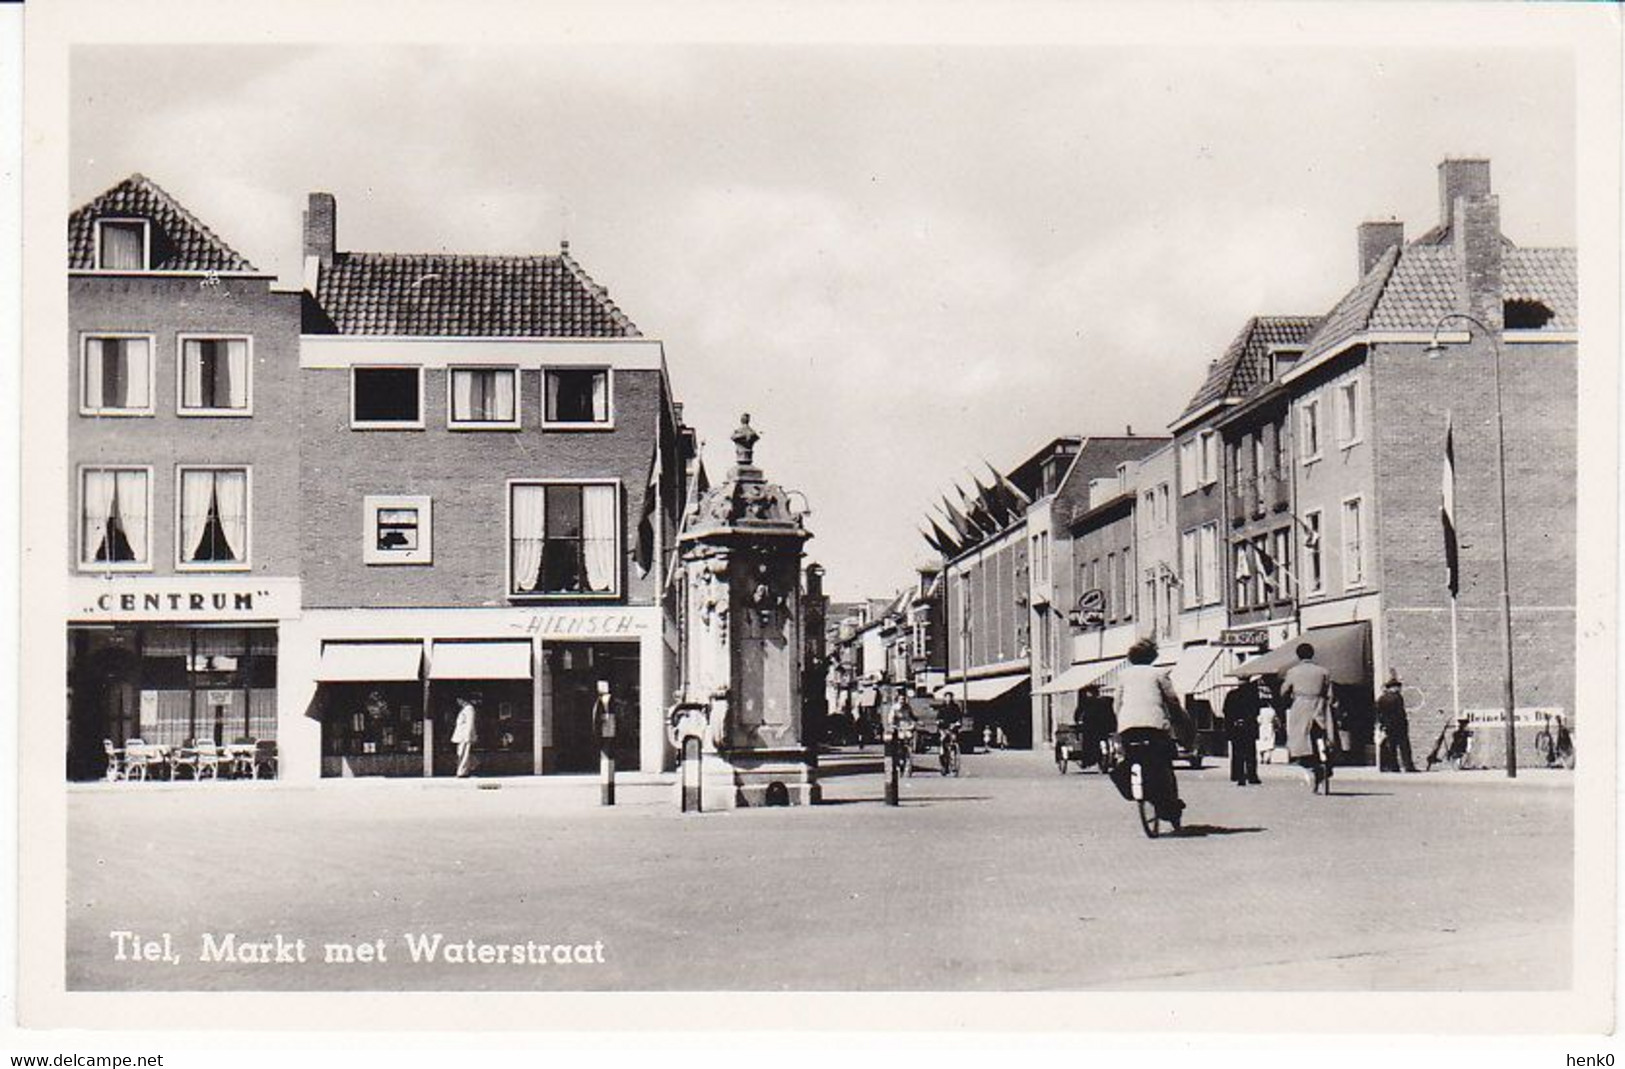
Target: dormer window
column 1525, row 315
column 123, row 244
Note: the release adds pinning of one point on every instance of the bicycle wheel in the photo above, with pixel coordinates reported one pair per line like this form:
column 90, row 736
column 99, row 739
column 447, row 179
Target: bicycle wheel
column 1148, row 818
column 956, row 761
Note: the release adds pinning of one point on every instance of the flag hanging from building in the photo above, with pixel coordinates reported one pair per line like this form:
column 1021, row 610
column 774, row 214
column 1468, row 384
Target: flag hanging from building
column 645, row 553
column 1447, row 510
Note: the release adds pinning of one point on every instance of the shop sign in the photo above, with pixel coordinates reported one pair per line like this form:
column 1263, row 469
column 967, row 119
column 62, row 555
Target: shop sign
column 1537, row 714
column 219, row 697
column 583, row 623
column 1244, row 636
column 178, row 598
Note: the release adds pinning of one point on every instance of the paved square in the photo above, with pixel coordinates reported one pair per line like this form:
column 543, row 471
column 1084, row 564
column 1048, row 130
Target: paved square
column 1012, row 877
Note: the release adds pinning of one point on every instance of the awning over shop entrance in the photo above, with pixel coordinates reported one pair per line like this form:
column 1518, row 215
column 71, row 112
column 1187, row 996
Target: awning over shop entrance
column 983, row 690
column 1344, row 650
column 1080, row 675
column 370, row 662
column 480, row 660
column 1194, row 663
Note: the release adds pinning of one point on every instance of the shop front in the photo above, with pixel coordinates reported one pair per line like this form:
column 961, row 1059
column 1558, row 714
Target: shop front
column 168, row 666
column 1344, row 650
column 386, row 687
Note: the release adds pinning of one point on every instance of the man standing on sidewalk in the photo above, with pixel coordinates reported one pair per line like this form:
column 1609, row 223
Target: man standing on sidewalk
column 462, row 736
column 1241, row 732
column 1395, row 752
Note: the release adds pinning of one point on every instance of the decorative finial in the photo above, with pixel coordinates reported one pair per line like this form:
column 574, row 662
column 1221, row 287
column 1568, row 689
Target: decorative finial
column 744, row 438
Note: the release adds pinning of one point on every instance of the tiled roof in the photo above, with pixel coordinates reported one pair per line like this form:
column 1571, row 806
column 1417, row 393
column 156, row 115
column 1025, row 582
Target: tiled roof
column 1244, row 365
column 1409, row 289
column 444, row 295
column 180, row 242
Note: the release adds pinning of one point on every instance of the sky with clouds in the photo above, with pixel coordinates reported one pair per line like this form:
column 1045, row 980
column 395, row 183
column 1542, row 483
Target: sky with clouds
column 899, row 260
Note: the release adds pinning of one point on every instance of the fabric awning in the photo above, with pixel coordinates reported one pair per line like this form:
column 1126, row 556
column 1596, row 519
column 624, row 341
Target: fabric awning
column 370, row 662
column 1193, row 663
column 1080, row 675
column 480, row 660
column 1344, row 650
column 984, row 690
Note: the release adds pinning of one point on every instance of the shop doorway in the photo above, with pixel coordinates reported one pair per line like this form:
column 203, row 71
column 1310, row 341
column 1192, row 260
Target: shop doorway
column 503, row 726
column 574, row 670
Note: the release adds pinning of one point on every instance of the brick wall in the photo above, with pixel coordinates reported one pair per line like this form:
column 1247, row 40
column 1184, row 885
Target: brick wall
column 465, row 473
column 165, row 308
column 1415, row 392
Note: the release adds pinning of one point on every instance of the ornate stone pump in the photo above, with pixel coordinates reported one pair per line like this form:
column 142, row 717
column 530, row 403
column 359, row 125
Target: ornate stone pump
column 741, row 549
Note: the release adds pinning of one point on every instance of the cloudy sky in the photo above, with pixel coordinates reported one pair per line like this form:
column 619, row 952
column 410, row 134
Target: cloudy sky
column 900, row 261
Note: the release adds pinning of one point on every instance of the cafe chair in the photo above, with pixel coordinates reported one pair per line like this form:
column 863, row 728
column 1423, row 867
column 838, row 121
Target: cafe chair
column 265, row 758
column 206, row 758
column 183, row 759
column 138, row 759
column 115, row 761
column 240, row 758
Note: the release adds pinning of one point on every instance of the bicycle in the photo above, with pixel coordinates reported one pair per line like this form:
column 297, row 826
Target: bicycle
column 1144, row 774
column 902, row 754
column 948, row 757
column 1322, row 768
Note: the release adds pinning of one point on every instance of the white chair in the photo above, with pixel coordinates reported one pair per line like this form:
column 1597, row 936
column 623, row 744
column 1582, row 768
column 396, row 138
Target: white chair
column 115, row 761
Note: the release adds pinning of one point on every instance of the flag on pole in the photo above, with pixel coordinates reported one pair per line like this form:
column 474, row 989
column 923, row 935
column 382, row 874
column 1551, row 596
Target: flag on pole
column 1447, row 510
column 645, row 553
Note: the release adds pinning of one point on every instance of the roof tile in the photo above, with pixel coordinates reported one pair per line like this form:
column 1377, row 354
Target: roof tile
column 180, row 241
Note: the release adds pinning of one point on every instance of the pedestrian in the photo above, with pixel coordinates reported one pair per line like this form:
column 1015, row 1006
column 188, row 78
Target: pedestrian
column 1395, row 753
column 1095, row 722
column 603, row 719
column 463, row 734
column 1308, row 687
column 1241, row 732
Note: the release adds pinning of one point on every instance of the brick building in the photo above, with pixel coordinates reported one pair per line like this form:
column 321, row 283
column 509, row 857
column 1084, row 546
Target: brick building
column 184, row 497
column 1371, row 405
column 493, row 473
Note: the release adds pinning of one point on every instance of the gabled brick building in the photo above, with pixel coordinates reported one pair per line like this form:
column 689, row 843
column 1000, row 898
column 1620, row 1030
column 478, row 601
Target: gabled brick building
column 184, row 476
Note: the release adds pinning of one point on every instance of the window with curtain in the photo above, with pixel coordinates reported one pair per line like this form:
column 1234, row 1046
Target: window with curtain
column 122, row 245
column 117, row 375
column 1210, row 566
column 565, row 539
column 1348, row 412
column 577, row 395
column 1309, row 416
column 213, row 516
column 1188, row 571
column 1189, row 475
column 483, row 396
column 113, row 517
column 214, row 374
column 1314, row 563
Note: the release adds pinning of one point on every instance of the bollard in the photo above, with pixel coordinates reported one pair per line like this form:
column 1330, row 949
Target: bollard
column 891, row 772
column 606, row 778
column 691, row 775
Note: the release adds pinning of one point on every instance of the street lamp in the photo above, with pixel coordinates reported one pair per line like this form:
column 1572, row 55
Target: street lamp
column 1434, row 349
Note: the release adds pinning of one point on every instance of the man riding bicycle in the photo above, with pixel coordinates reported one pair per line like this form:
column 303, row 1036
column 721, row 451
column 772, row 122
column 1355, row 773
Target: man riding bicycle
column 1145, row 697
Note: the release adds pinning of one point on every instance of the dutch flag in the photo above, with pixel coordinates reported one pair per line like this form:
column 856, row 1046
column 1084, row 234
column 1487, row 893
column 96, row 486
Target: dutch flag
column 1447, row 510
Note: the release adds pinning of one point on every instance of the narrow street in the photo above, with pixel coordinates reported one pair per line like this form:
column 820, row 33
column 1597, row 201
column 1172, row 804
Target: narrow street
column 1011, row 877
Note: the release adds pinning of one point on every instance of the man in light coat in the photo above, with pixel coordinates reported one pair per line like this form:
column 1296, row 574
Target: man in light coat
column 462, row 736
column 1308, row 687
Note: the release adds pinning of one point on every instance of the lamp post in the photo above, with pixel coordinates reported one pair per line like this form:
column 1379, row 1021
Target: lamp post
column 1434, row 349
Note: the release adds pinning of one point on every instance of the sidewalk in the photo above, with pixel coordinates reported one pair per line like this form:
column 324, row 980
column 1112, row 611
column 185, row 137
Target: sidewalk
column 1441, row 775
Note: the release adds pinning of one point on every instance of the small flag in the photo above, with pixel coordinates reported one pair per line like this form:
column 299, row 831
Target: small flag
column 645, row 553
column 1447, row 510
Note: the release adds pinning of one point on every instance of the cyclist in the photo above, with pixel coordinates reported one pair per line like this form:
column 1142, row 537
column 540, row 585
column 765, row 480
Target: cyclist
column 948, row 729
column 1308, row 687
column 1144, row 696
column 904, row 723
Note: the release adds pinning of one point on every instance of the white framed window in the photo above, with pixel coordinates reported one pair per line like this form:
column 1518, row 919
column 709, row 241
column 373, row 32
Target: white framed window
column 216, row 375
column 397, row 529
column 115, row 518
column 1281, row 554
column 1209, row 441
column 1353, row 543
column 575, row 398
column 1208, row 578
column 1165, row 513
column 1125, row 583
column 564, row 538
column 1314, row 561
column 386, row 397
column 212, row 518
column 115, row 374
column 482, row 398
column 1309, row 429
column 1348, row 413
column 1243, row 569
column 1189, row 466
column 123, row 244
column 1189, row 570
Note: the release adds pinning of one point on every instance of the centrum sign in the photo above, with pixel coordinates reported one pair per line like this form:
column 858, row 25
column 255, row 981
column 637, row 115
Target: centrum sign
column 152, row 598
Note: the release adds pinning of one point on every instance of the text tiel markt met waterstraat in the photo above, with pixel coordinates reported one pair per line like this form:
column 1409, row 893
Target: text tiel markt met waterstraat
column 414, row 948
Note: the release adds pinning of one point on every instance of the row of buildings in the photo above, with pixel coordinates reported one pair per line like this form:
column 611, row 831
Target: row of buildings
column 319, row 517
column 1297, row 493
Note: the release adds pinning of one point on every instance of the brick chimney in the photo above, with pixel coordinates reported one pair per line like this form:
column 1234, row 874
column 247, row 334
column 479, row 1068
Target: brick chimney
column 321, row 228
column 1377, row 238
column 1475, row 233
column 1458, row 179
